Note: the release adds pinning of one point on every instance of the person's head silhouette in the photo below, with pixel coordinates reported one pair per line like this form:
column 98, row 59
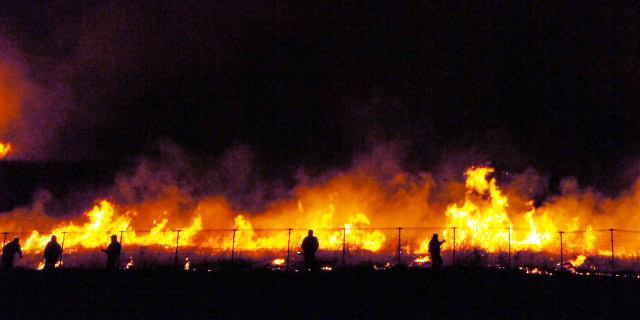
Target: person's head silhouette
column 114, row 238
column 16, row 240
column 54, row 238
column 310, row 233
column 435, row 236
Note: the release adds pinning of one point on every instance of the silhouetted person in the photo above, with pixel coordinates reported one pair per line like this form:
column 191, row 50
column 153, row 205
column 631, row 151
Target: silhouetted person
column 309, row 247
column 52, row 253
column 434, row 251
column 113, row 252
column 9, row 251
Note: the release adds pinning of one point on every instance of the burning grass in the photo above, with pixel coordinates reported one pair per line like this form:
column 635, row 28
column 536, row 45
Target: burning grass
column 356, row 216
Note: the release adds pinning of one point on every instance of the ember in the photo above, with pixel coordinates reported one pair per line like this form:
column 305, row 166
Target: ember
column 129, row 263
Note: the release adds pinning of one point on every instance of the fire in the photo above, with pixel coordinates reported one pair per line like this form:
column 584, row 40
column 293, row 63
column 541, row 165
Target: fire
column 578, row 261
column 104, row 221
column 5, row 148
column 483, row 220
column 355, row 212
column 422, row 260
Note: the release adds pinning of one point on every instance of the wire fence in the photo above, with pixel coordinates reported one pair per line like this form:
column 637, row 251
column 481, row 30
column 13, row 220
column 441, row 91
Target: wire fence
column 606, row 250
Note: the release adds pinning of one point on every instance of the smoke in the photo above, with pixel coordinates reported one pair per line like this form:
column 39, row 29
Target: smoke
column 57, row 87
column 33, row 111
column 15, row 89
column 376, row 184
column 180, row 185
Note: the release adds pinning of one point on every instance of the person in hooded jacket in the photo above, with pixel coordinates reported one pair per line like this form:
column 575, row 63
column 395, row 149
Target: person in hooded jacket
column 52, row 253
column 309, row 247
column 113, row 252
column 9, row 251
column 434, row 251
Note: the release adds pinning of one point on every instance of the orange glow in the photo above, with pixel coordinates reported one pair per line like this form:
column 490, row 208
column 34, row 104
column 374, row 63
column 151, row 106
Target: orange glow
column 14, row 91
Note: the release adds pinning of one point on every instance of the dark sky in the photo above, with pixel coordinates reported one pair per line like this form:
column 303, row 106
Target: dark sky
column 552, row 85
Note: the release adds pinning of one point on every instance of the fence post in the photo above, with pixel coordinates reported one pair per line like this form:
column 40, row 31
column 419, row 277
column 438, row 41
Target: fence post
column 233, row 244
column 454, row 246
column 289, row 248
column 177, row 243
column 509, row 247
column 4, row 242
column 399, row 244
column 64, row 235
column 344, row 244
column 613, row 267
column 561, row 251
column 119, row 255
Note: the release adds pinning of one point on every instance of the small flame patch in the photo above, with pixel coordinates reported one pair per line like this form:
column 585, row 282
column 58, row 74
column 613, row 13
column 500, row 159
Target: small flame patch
column 5, row 148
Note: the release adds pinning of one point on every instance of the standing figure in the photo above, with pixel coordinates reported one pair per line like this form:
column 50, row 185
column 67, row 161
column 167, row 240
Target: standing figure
column 52, row 253
column 309, row 247
column 9, row 251
column 113, row 252
column 434, row 251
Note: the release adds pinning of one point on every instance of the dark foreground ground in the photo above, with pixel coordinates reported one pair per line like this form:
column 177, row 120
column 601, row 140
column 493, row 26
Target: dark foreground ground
column 353, row 293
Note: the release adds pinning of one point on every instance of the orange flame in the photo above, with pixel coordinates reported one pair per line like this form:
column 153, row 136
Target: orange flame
column 5, row 148
column 483, row 220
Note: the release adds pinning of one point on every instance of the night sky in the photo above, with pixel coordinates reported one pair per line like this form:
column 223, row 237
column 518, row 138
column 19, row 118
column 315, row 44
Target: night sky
column 549, row 85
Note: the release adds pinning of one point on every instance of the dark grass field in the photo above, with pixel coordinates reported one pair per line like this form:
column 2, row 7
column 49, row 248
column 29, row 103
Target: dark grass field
column 349, row 293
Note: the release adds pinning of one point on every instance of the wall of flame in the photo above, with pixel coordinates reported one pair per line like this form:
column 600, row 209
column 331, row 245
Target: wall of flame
column 352, row 205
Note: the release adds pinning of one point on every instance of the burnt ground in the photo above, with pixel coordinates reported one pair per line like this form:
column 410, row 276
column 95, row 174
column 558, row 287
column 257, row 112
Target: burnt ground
column 352, row 293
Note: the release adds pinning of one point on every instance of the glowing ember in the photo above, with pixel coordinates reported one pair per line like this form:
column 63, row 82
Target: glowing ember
column 187, row 264
column 278, row 262
column 129, row 263
column 422, row 260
